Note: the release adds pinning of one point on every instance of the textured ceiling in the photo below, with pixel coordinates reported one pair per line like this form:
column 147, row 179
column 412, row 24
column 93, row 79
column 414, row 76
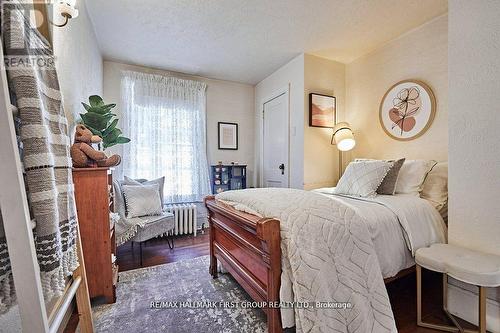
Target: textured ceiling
column 246, row 40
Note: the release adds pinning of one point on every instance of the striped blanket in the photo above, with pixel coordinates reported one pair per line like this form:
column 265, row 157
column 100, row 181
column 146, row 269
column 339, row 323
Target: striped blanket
column 46, row 160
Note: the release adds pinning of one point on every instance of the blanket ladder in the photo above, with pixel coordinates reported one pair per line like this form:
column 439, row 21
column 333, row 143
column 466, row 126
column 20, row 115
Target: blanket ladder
column 19, row 235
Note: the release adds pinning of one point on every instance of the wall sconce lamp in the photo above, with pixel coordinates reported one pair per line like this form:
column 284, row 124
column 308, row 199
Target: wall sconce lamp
column 344, row 139
column 65, row 8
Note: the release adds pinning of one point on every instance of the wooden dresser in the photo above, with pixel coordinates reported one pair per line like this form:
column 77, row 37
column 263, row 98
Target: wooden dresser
column 93, row 195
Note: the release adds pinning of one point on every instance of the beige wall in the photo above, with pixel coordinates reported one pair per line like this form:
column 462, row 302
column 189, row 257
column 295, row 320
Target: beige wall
column 420, row 54
column 474, row 133
column 321, row 158
column 474, row 155
column 78, row 62
column 226, row 101
column 313, row 160
column 291, row 75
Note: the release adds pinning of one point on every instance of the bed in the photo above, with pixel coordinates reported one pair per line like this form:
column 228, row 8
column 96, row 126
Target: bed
column 249, row 245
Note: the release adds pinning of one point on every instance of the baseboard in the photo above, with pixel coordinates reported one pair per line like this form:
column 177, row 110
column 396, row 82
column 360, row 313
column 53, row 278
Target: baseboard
column 464, row 304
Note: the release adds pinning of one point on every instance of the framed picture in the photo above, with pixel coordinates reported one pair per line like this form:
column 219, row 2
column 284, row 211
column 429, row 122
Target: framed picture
column 321, row 110
column 407, row 110
column 228, row 136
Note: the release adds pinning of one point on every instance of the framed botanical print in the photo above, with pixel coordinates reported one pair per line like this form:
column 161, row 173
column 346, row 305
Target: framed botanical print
column 322, row 110
column 228, row 136
column 407, row 110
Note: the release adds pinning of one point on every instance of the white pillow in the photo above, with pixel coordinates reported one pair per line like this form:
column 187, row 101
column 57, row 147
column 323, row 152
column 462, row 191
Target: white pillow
column 388, row 185
column 435, row 187
column 412, row 175
column 160, row 181
column 142, row 200
column 362, row 178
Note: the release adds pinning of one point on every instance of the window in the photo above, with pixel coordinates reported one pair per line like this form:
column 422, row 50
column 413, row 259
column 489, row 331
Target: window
column 165, row 120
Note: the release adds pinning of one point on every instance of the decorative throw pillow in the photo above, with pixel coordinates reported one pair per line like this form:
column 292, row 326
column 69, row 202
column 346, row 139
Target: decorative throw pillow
column 435, row 187
column 388, row 185
column 412, row 176
column 159, row 181
column 363, row 178
column 142, row 200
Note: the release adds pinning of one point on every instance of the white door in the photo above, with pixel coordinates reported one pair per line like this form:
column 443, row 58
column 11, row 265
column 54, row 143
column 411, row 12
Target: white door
column 275, row 142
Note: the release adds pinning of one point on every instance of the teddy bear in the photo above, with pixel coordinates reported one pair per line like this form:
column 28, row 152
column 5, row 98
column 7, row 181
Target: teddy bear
column 84, row 156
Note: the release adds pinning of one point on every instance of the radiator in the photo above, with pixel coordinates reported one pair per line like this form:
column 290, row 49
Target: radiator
column 184, row 218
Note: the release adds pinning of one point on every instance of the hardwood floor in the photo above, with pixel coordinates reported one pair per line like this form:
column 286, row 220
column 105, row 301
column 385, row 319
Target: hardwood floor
column 157, row 252
column 402, row 292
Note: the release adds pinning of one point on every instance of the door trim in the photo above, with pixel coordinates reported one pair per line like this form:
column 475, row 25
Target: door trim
column 283, row 91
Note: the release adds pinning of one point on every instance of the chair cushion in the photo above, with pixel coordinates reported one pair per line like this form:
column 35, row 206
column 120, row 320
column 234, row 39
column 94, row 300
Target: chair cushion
column 466, row 265
column 166, row 218
column 155, row 226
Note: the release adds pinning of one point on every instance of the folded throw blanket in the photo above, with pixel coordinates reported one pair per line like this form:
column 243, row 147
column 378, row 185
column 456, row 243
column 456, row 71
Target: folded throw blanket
column 46, row 160
column 327, row 256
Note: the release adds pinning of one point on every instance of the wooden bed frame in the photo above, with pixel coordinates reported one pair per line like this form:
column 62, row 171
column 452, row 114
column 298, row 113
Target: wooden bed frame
column 249, row 248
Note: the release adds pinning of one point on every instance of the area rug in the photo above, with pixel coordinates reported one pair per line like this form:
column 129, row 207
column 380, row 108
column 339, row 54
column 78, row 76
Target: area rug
column 177, row 284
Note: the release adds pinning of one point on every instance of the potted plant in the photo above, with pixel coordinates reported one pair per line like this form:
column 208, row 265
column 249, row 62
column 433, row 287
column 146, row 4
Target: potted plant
column 102, row 122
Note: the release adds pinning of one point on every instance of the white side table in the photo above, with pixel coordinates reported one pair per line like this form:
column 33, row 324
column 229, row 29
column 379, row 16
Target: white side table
column 472, row 267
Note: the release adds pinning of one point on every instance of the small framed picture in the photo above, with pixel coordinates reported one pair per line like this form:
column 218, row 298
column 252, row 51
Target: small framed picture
column 228, row 136
column 321, row 110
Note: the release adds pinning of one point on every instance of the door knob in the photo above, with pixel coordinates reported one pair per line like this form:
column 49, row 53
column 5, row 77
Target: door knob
column 282, row 168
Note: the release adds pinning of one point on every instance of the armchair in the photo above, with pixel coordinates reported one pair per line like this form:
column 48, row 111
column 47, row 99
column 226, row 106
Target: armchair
column 140, row 229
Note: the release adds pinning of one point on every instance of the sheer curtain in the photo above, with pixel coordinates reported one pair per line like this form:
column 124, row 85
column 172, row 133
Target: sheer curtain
column 165, row 119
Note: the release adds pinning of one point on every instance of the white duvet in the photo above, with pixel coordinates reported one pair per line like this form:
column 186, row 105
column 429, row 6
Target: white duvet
column 333, row 249
column 398, row 224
